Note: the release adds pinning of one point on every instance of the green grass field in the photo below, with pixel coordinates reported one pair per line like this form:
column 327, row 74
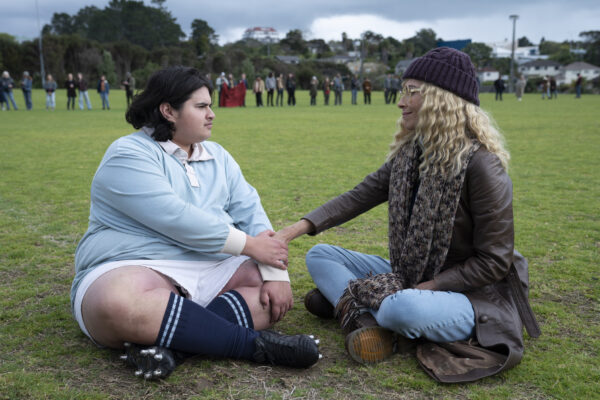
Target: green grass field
column 297, row 158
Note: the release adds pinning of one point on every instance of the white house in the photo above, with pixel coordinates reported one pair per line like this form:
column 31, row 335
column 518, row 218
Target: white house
column 522, row 54
column 487, row 74
column 263, row 35
column 569, row 73
column 540, row 68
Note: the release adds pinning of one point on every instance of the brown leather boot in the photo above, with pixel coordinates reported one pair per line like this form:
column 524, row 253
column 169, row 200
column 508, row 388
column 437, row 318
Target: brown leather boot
column 371, row 344
column 318, row 305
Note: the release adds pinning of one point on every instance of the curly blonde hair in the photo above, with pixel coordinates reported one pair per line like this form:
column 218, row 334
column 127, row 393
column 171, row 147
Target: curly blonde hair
column 446, row 127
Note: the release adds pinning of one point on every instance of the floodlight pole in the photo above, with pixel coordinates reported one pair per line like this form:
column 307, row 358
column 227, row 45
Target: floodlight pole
column 40, row 45
column 511, row 78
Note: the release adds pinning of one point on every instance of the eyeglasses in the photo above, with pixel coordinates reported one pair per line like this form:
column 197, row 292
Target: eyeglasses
column 409, row 91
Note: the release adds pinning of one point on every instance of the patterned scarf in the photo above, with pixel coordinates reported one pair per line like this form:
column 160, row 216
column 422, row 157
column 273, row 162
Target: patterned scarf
column 419, row 239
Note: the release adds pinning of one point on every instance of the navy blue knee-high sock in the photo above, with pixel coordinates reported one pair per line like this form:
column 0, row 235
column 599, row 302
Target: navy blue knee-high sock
column 232, row 306
column 191, row 328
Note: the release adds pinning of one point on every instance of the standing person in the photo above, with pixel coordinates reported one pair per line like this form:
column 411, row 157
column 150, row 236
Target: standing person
column 454, row 280
column 553, row 89
column 314, row 83
column 50, row 88
column 3, row 100
column 499, row 88
column 367, row 87
column 395, row 85
column 82, row 85
column 26, row 84
column 354, row 87
column 70, row 85
column 258, row 88
column 129, row 84
column 520, row 87
column 270, row 85
column 326, row 90
column 545, row 88
column 221, row 80
column 387, row 87
column 243, row 81
column 280, row 87
column 290, row 86
column 179, row 254
column 338, row 88
column 7, row 86
column 578, row 83
column 103, row 88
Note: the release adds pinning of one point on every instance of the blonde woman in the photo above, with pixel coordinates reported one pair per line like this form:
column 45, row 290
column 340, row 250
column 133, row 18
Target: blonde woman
column 453, row 284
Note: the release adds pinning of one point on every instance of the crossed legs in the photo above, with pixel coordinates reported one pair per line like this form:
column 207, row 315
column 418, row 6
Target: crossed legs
column 127, row 304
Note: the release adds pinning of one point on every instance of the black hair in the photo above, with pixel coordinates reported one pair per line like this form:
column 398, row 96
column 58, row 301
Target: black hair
column 172, row 85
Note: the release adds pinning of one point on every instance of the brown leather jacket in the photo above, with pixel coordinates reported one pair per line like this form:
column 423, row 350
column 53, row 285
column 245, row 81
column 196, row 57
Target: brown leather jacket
column 479, row 259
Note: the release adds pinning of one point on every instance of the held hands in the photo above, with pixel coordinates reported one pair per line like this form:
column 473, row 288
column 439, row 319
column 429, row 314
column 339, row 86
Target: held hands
column 267, row 249
column 291, row 232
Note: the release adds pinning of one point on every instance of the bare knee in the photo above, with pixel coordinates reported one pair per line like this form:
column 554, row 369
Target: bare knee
column 126, row 304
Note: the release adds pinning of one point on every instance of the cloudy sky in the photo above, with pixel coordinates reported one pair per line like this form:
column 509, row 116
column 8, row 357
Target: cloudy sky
column 479, row 20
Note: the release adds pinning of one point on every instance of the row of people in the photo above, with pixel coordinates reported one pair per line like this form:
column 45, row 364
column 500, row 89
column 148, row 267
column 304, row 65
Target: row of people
column 72, row 85
column 232, row 93
column 180, row 257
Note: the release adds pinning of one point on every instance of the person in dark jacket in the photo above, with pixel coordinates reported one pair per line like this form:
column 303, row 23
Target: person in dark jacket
column 499, row 88
column 454, row 284
column 290, row 86
column 71, row 85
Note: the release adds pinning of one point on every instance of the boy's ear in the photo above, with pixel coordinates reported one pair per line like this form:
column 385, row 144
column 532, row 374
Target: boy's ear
column 168, row 112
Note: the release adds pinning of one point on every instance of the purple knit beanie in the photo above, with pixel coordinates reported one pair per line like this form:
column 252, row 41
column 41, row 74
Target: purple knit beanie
column 449, row 69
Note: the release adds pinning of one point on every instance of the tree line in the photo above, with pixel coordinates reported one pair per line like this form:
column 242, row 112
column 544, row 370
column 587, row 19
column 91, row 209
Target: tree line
column 129, row 36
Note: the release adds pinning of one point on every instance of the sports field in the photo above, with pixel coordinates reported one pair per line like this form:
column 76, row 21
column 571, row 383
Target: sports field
column 297, row 158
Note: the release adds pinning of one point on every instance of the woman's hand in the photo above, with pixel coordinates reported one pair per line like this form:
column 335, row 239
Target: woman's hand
column 291, row 232
column 266, row 249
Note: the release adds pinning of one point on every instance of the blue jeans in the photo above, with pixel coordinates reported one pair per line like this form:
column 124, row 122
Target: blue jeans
column 105, row 103
column 27, row 96
column 354, row 93
column 437, row 316
column 8, row 96
column 50, row 100
column 83, row 94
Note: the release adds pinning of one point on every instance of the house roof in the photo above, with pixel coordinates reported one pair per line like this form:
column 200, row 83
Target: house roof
column 487, row 69
column 288, row 59
column 579, row 65
column 541, row 63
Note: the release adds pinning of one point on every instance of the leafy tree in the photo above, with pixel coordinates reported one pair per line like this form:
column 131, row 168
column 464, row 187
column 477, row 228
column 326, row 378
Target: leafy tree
column 10, row 54
column 563, row 55
column 61, row 24
column 107, row 68
column 247, row 67
column 501, row 64
column 347, row 42
column 121, row 20
column 294, row 42
column 322, row 49
column 423, row 41
column 548, row 47
column 141, row 75
column 480, row 53
column 592, row 45
column 524, row 42
column 203, row 36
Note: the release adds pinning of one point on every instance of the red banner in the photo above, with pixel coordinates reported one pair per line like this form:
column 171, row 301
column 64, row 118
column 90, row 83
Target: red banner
column 233, row 97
